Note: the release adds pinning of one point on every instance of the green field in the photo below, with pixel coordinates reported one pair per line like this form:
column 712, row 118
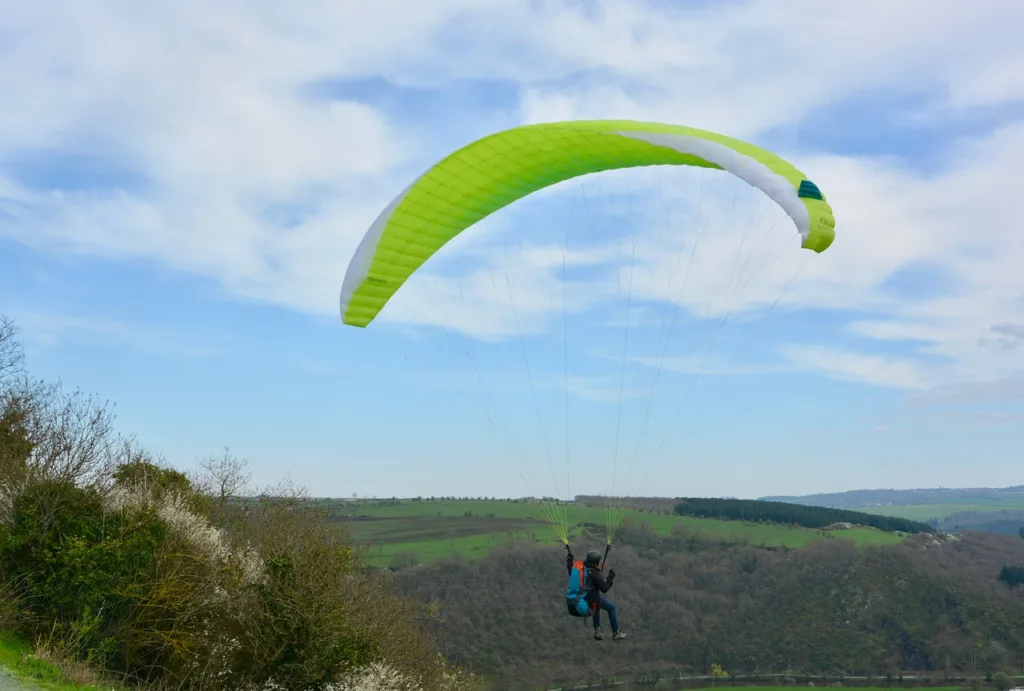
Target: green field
column 925, row 512
column 423, row 531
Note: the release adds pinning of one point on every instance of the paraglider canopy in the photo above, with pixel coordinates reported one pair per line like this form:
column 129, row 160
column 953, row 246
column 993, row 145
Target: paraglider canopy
column 495, row 171
column 486, row 175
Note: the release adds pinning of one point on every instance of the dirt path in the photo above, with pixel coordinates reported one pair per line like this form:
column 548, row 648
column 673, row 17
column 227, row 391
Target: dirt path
column 8, row 682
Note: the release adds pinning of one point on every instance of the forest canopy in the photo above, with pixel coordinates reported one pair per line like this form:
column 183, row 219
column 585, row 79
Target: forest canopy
column 796, row 514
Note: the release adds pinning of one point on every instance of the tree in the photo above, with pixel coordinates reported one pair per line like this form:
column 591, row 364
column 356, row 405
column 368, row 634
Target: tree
column 1012, row 576
column 48, row 434
column 223, row 477
column 15, row 439
column 15, row 445
column 158, row 479
column 12, row 356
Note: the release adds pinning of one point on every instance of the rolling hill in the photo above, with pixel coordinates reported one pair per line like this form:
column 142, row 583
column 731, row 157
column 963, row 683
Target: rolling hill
column 937, row 506
column 401, row 532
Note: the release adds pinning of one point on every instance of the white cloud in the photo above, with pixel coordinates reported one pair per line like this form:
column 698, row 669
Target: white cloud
column 705, row 366
column 874, row 369
column 510, row 295
column 890, row 220
column 209, row 106
column 43, row 329
column 745, row 67
column 998, row 392
column 958, row 222
column 206, row 105
column 605, row 389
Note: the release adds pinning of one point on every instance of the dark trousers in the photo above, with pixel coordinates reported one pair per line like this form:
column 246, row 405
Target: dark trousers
column 608, row 606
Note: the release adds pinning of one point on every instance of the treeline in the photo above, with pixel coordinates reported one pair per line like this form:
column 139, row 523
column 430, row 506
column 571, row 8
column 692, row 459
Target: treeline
column 648, row 504
column 931, row 604
column 796, row 514
column 112, row 562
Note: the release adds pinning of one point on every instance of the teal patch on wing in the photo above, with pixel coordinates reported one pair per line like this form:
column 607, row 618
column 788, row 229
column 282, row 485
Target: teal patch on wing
column 809, row 190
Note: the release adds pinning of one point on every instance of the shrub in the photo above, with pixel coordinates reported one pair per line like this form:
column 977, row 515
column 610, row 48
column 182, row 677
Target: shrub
column 109, row 558
column 301, row 624
column 77, row 564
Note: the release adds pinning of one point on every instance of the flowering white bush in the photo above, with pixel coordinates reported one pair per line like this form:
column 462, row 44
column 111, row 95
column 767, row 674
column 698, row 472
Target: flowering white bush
column 227, row 633
column 380, row 676
column 377, row 676
column 188, row 526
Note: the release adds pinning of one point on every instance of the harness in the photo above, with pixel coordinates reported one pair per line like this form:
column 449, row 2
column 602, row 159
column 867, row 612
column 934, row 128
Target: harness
column 573, row 601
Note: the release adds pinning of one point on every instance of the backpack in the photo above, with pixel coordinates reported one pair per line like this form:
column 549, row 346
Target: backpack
column 576, row 591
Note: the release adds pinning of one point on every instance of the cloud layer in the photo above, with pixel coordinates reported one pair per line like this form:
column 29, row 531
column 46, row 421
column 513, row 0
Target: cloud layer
column 200, row 137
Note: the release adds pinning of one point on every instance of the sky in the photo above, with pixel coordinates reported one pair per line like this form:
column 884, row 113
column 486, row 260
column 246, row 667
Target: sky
column 182, row 185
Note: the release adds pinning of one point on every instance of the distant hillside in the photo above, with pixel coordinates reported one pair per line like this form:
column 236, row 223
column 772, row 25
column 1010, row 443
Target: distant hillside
column 863, row 498
column 792, row 513
column 944, row 509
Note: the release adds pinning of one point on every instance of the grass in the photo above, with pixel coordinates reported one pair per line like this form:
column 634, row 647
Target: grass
column 425, row 531
column 18, row 658
column 924, row 512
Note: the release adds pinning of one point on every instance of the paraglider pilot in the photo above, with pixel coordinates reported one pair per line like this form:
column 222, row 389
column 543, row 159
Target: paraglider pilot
column 585, row 593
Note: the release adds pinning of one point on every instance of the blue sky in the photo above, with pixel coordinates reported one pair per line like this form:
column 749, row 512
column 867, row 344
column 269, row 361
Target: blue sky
column 182, row 186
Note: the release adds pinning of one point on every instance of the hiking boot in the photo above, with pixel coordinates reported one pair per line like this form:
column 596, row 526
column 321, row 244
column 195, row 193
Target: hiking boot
column 618, row 636
column 598, row 634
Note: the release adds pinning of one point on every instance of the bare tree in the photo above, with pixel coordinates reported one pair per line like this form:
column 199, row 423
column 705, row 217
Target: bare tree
column 12, row 356
column 224, row 476
column 16, row 398
column 74, row 438
column 49, row 434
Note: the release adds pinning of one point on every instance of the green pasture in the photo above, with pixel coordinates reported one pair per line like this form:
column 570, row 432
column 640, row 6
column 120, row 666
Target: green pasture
column 925, row 512
column 423, row 531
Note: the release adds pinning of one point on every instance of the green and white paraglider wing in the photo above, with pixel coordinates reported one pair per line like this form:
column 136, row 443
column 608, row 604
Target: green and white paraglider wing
column 495, row 171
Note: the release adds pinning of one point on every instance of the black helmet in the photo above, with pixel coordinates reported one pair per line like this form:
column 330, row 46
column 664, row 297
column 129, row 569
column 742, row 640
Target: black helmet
column 593, row 558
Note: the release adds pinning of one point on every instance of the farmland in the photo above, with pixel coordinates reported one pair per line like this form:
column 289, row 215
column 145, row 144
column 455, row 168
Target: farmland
column 926, row 512
column 402, row 532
